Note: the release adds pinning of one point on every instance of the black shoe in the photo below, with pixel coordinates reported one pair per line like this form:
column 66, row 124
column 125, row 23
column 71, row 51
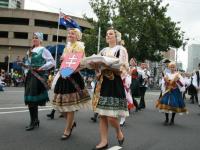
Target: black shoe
column 171, row 123
column 37, row 123
column 93, row 119
column 51, row 115
column 30, row 127
column 122, row 124
column 65, row 136
column 165, row 123
column 121, row 141
column 100, row 148
column 61, row 116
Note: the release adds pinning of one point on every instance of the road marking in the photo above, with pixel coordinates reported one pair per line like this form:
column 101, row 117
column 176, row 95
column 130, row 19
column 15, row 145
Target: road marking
column 12, row 112
column 3, row 108
column 12, row 91
column 115, row 148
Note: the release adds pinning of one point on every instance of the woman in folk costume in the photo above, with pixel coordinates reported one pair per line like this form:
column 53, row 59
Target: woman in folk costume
column 196, row 83
column 109, row 99
column 39, row 60
column 70, row 93
column 171, row 101
column 135, row 84
column 126, row 78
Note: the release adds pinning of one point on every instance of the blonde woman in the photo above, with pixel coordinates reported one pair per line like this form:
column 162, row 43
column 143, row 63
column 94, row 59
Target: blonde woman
column 171, row 100
column 109, row 99
column 70, row 94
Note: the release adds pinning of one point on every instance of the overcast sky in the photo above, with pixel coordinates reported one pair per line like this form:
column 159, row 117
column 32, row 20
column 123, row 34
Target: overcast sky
column 185, row 11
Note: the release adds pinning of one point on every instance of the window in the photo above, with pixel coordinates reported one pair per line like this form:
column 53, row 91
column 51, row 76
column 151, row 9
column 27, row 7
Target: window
column 3, row 34
column 60, row 38
column 3, row 5
column 45, row 37
column 20, row 35
column 18, row 4
column 50, row 24
column 16, row 21
column 6, row 1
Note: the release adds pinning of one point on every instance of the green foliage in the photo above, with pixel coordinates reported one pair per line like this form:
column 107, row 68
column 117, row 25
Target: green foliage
column 146, row 29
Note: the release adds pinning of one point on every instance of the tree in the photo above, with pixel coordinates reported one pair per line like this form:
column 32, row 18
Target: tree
column 145, row 28
column 102, row 10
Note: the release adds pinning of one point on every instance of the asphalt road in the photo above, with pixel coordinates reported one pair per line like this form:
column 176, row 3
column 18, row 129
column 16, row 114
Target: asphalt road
column 143, row 130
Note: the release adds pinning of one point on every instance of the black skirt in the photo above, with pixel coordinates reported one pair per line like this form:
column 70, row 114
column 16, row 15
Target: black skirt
column 112, row 88
column 65, row 86
column 135, row 88
column 67, row 97
column 35, row 91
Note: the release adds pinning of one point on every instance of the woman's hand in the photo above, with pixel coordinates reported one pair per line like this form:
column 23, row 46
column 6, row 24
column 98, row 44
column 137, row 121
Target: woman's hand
column 61, row 58
column 176, row 78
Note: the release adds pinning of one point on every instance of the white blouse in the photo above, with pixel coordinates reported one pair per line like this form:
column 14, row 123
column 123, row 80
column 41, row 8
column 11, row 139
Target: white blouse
column 112, row 52
column 45, row 55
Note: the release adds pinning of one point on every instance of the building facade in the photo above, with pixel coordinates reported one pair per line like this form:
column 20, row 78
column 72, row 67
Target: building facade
column 171, row 55
column 193, row 56
column 12, row 4
column 17, row 27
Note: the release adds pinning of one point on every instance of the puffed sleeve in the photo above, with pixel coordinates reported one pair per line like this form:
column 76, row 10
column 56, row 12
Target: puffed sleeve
column 49, row 60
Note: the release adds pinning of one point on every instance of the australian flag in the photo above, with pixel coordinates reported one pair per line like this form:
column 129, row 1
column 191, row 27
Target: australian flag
column 68, row 22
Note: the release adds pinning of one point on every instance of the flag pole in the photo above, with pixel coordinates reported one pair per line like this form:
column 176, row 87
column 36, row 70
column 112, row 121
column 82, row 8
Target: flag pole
column 56, row 54
column 99, row 37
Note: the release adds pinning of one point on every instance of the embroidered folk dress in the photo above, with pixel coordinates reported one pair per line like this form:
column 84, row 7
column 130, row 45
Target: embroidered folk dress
column 172, row 101
column 35, row 91
column 109, row 95
column 66, row 96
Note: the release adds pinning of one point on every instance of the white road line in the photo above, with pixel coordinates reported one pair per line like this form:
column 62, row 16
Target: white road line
column 3, row 108
column 12, row 112
column 12, row 92
column 115, row 148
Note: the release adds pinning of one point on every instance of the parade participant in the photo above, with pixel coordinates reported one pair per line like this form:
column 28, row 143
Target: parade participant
column 126, row 78
column 172, row 101
column 145, row 74
column 93, row 84
column 2, row 84
column 187, row 81
column 70, row 93
column 109, row 96
column 135, row 84
column 39, row 60
column 196, row 83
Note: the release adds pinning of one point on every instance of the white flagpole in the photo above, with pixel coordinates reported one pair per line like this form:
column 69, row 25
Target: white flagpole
column 56, row 54
column 99, row 37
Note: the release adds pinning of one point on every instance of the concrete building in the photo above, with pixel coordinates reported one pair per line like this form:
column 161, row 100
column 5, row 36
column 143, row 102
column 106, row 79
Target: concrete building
column 17, row 27
column 12, row 4
column 193, row 56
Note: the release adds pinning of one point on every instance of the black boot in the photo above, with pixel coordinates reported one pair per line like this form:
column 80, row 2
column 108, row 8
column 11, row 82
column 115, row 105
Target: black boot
column 136, row 105
column 166, row 119
column 31, row 125
column 94, row 119
column 36, row 120
column 172, row 119
column 51, row 115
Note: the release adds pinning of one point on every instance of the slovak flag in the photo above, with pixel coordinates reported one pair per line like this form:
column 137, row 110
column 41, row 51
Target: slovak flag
column 70, row 63
column 68, row 22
